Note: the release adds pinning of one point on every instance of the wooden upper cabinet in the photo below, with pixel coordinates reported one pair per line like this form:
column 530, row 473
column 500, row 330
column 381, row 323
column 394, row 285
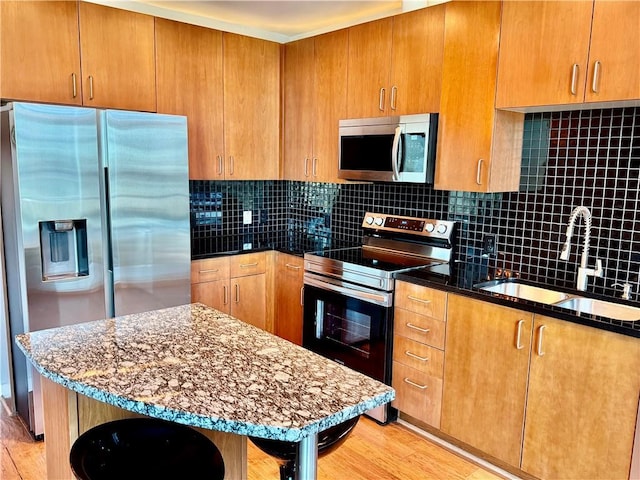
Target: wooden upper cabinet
column 479, row 147
column 416, row 65
column 369, row 62
column 118, row 58
column 251, row 108
column 576, row 52
column 395, row 64
column 331, row 61
column 189, row 82
column 40, row 52
column 615, row 52
column 582, row 402
column 540, row 44
column 299, row 100
column 315, row 99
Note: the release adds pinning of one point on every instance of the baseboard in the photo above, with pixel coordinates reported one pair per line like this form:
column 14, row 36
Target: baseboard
column 459, row 451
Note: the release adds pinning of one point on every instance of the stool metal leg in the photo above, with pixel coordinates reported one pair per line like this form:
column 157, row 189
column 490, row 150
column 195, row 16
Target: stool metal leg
column 307, row 458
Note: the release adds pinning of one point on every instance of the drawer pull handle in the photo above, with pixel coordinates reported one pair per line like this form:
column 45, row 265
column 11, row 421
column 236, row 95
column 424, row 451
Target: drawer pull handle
column 417, row 357
column 519, row 346
column 416, row 299
column 417, row 385
column 247, row 265
column 294, row 267
column 212, row 270
column 415, row 327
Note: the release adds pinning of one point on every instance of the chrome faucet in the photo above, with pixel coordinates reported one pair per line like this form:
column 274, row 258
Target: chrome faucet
column 583, row 271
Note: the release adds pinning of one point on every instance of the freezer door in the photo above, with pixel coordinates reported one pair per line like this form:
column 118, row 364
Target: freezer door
column 51, row 199
column 148, row 203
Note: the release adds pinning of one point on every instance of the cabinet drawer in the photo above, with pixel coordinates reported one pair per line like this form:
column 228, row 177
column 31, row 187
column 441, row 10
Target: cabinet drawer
column 423, row 300
column 247, row 264
column 417, row 394
column 209, row 269
column 417, row 355
column 419, row 328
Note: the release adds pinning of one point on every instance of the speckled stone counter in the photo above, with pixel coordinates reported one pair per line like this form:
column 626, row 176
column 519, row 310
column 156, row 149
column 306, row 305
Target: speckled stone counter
column 197, row 366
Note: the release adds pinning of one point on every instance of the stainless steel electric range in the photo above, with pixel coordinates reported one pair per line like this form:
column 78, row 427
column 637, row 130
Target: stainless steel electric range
column 348, row 293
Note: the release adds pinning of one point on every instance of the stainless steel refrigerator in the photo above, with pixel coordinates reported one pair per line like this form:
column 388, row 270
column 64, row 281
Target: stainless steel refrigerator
column 95, row 209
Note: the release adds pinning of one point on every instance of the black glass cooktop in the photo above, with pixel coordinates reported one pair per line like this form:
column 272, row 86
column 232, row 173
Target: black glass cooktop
column 384, row 260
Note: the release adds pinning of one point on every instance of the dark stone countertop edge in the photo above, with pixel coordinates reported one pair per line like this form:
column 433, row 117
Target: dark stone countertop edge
column 601, row 323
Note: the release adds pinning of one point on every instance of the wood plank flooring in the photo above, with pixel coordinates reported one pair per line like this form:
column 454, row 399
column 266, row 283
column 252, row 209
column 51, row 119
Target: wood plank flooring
column 371, row 452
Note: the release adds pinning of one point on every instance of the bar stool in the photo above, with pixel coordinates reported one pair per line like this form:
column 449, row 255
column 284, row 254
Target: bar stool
column 144, row 448
column 286, row 452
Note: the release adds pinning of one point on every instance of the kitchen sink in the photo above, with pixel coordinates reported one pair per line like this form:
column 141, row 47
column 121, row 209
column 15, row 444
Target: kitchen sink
column 524, row 291
column 601, row 308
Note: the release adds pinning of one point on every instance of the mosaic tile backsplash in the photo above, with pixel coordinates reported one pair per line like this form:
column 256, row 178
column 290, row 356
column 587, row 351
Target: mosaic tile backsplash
column 588, row 157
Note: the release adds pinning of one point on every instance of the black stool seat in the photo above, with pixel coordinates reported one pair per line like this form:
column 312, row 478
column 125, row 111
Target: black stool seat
column 145, row 448
column 286, row 452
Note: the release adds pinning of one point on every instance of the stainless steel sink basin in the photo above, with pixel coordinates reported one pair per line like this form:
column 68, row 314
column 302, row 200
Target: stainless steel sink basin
column 601, row 308
column 526, row 292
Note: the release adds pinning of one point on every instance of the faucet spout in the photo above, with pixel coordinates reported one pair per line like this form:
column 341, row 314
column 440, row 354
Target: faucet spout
column 583, row 271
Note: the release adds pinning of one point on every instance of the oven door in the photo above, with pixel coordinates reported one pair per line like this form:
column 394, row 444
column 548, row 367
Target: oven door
column 349, row 324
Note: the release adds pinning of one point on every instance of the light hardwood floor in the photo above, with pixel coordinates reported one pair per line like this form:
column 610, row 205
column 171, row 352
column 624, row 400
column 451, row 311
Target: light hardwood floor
column 371, row 452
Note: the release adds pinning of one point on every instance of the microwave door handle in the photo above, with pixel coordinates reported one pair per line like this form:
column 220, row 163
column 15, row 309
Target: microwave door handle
column 395, row 154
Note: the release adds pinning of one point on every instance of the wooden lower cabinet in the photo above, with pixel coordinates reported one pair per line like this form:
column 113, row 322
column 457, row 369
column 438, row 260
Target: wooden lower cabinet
column 582, row 402
column 288, row 299
column 239, row 285
column 485, row 376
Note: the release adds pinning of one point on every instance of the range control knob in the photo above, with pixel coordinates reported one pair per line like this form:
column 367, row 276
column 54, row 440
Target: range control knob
column 429, row 228
column 442, row 228
column 378, row 221
column 369, row 220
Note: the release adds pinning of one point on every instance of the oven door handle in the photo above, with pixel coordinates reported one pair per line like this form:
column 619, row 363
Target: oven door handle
column 384, row 300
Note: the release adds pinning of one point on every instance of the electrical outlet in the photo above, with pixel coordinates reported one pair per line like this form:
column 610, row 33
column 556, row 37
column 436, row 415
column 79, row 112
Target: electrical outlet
column 489, row 245
column 247, row 217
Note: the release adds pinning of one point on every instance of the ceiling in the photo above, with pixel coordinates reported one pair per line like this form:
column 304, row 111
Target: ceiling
column 280, row 21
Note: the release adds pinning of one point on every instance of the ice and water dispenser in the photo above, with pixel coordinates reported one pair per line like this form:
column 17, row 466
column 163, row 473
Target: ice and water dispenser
column 63, row 248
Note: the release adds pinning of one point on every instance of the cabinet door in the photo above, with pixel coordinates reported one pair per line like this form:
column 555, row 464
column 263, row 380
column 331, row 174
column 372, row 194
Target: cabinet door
column 369, row 65
column 416, row 66
column 615, row 45
column 540, row 43
column 331, row 60
column 582, row 402
column 485, row 376
column 288, row 321
column 249, row 299
column 251, row 107
column 299, row 98
column 214, row 294
column 479, row 148
column 118, row 58
column 189, row 77
column 39, row 52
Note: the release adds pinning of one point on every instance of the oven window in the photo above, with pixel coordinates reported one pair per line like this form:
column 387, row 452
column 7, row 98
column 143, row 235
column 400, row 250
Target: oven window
column 348, row 330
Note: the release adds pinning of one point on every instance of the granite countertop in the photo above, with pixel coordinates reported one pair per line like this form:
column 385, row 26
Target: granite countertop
column 198, row 366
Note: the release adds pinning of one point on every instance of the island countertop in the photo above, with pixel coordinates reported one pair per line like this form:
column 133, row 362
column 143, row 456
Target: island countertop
column 198, row 366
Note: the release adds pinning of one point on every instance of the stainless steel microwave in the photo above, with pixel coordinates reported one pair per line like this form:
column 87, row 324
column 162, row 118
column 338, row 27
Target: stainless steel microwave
column 388, row 149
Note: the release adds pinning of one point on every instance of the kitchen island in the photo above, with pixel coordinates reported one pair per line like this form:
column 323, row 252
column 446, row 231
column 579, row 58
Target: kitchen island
column 196, row 366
